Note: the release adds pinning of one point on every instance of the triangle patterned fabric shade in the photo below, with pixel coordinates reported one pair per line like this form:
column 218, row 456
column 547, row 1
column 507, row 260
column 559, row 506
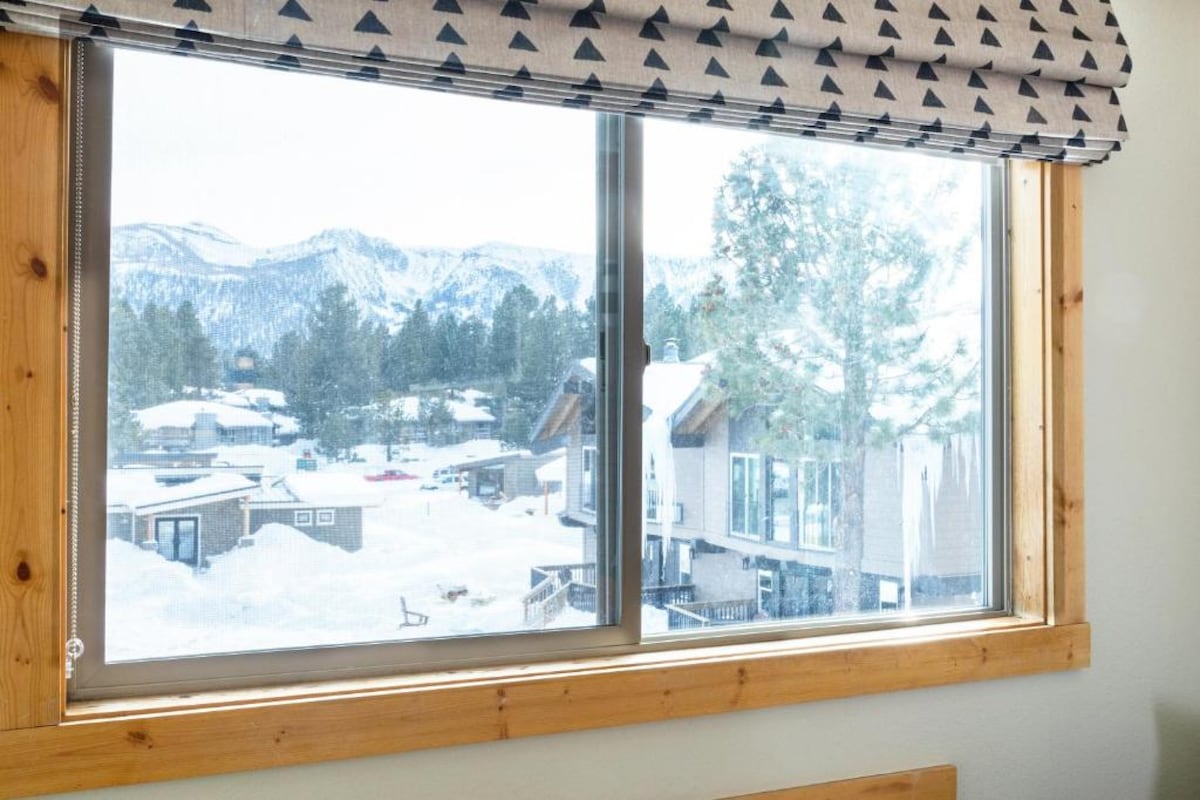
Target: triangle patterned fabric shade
column 1002, row 78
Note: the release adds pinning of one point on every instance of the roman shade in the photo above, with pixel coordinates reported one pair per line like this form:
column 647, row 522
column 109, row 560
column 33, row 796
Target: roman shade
column 1010, row 78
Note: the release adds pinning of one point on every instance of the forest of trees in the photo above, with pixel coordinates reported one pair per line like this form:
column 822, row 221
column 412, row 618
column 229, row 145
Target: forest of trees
column 341, row 371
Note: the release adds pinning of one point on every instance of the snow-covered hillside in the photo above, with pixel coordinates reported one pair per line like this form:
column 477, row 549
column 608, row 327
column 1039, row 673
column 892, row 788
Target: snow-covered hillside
column 248, row 296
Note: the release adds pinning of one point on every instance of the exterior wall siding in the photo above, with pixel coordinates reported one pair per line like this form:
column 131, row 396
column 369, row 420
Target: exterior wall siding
column 346, row 532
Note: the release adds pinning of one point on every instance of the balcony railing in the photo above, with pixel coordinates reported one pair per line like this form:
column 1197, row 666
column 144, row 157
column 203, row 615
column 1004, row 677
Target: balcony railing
column 703, row 615
column 577, row 584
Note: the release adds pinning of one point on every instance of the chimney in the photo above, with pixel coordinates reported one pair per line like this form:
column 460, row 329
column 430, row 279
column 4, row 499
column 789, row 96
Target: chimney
column 671, row 351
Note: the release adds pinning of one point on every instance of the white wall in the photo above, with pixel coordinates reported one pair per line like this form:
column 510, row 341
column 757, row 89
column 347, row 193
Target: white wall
column 1127, row 728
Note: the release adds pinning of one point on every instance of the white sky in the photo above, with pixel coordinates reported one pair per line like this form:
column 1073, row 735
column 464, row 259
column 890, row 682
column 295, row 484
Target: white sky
column 273, row 157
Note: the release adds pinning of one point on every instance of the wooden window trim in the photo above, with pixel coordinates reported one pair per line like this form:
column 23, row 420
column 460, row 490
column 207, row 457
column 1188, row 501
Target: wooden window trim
column 52, row 746
column 926, row 783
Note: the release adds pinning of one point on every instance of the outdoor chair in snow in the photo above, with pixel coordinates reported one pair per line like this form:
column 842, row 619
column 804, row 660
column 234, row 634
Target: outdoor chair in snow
column 411, row 618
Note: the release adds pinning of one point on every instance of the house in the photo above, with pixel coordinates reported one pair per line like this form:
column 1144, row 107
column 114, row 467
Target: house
column 185, row 522
column 327, row 507
column 508, row 474
column 742, row 527
column 440, row 420
column 201, row 424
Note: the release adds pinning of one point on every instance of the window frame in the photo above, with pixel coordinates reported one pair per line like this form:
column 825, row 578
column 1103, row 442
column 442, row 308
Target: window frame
column 53, row 745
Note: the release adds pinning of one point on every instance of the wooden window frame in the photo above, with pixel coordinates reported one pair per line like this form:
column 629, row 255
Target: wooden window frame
column 50, row 745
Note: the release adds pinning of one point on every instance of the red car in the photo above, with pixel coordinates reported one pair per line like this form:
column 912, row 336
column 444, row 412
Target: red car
column 392, row 475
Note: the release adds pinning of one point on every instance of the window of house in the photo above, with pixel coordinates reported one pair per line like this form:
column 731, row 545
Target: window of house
column 818, row 397
column 177, row 539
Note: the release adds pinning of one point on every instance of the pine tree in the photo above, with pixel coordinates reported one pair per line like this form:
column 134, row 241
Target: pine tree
column 196, row 363
column 664, row 319
column 334, row 371
column 508, row 331
column 822, row 325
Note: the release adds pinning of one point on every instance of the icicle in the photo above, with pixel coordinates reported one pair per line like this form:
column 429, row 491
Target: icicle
column 921, row 461
column 658, row 458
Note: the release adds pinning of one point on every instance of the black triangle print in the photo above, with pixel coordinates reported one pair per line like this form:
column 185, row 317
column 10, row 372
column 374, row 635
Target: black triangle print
column 592, row 84
column 447, row 7
column 885, row 5
column 1121, row 126
column 374, row 54
column 364, row 74
column 932, row 100
column 836, row 44
column 654, row 61
column 293, row 9
column 1066, row 8
column 192, row 32
column 509, row 92
column 771, row 78
column 5, row 18
column 981, row 106
column 702, row 115
column 718, row 99
column 99, row 33
column 722, row 26
column 1080, row 36
column 651, row 31
column 715, row 69
column 832, row 15
column 1037, row 73
column 1036, row 26
column 523, row 74
column 886, row 31
column 886, row 119
column 441, row 82
column 453, row 64
column 943, row 39
column 194, row 5
column 371, row 24
column 883, row 92
column 1121, row 40
column 780, row 11
column 660, row 16
column 1027, row 5
column 447, row 35
column 1035, row 117
column 1089, row 61
column 936, row 12
column 92, row 16
column 585, row 19
column 708, row 37
column 984, row 132
column 294, row 42
column 587, row 51
column 988, row 38
column 829, row 86
column 1080, row 115
column 825, row 59
column 1127, row 65
column 768, row 49
column 1111, row 20
column 1113, row 100
column 1078, row 140
column 578, row 101
column 876, row 63
column 282, row 62
column 782, row 36
column 976, row 82
column 514, row 9
column 657, row 91
column 1026, row 89
column 776, row 107
column 1031, row 140
column 831, row 114
column 184, row 48
column 988, row 66
column 984, row 15
column 1043, row 52
column 723, row 4
column 925, row 72
column 889, row 53
column 1073, row 90
column 940, row 59
column 933, row 127
column 522, row 42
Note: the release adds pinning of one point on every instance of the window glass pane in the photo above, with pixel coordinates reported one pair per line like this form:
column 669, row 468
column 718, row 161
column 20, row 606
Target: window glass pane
column 816, row 314
column 341, row 315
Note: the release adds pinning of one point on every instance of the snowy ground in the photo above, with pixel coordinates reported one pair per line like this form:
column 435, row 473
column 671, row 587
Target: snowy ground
column 291, row 591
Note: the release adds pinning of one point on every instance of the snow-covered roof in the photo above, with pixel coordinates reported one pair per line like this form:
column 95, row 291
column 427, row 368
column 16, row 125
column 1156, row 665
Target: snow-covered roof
column 285, row 425
column 269, row 397
column 138, row 490
column 332, row 489
column 182, row 414
column 553, row 472
column 666, row 385
column 474, row 395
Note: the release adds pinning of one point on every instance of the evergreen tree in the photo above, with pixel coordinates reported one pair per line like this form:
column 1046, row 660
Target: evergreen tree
column 508, row 331
column 195, row 357
column 448, row 351
column 388, row 420
column 334, row 369
column 664, row 319
column 823, row 323
column 435, row 417
column 335, row 437
column 518, row 424
column 409, row 357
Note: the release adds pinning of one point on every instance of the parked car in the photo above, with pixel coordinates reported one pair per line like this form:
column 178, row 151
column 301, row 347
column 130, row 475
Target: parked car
column 392, row 475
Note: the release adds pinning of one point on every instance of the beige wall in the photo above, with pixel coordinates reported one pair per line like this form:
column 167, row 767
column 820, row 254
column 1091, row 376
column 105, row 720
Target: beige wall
column 1128, row 728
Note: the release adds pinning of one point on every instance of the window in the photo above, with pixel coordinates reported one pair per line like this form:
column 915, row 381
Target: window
column 1046, row 631
column 744, row 494
column 326, row 517
column 178, row 539
column 303, row 519
column 587, row 486
column 821, row 502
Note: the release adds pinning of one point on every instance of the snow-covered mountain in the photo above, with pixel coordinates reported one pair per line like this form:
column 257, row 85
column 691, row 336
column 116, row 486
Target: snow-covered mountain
column 248, row 296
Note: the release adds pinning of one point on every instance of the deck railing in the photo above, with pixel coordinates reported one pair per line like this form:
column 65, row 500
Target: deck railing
column 703, row 615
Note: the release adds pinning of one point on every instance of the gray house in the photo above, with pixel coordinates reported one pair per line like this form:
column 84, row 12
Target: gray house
column 327, row 507
column 752, row 534
column 200, row 424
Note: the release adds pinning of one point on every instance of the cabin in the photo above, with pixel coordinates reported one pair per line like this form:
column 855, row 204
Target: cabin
column 202, row 424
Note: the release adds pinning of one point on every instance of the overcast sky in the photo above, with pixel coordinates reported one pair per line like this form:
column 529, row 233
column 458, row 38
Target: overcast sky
column 274, row 157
